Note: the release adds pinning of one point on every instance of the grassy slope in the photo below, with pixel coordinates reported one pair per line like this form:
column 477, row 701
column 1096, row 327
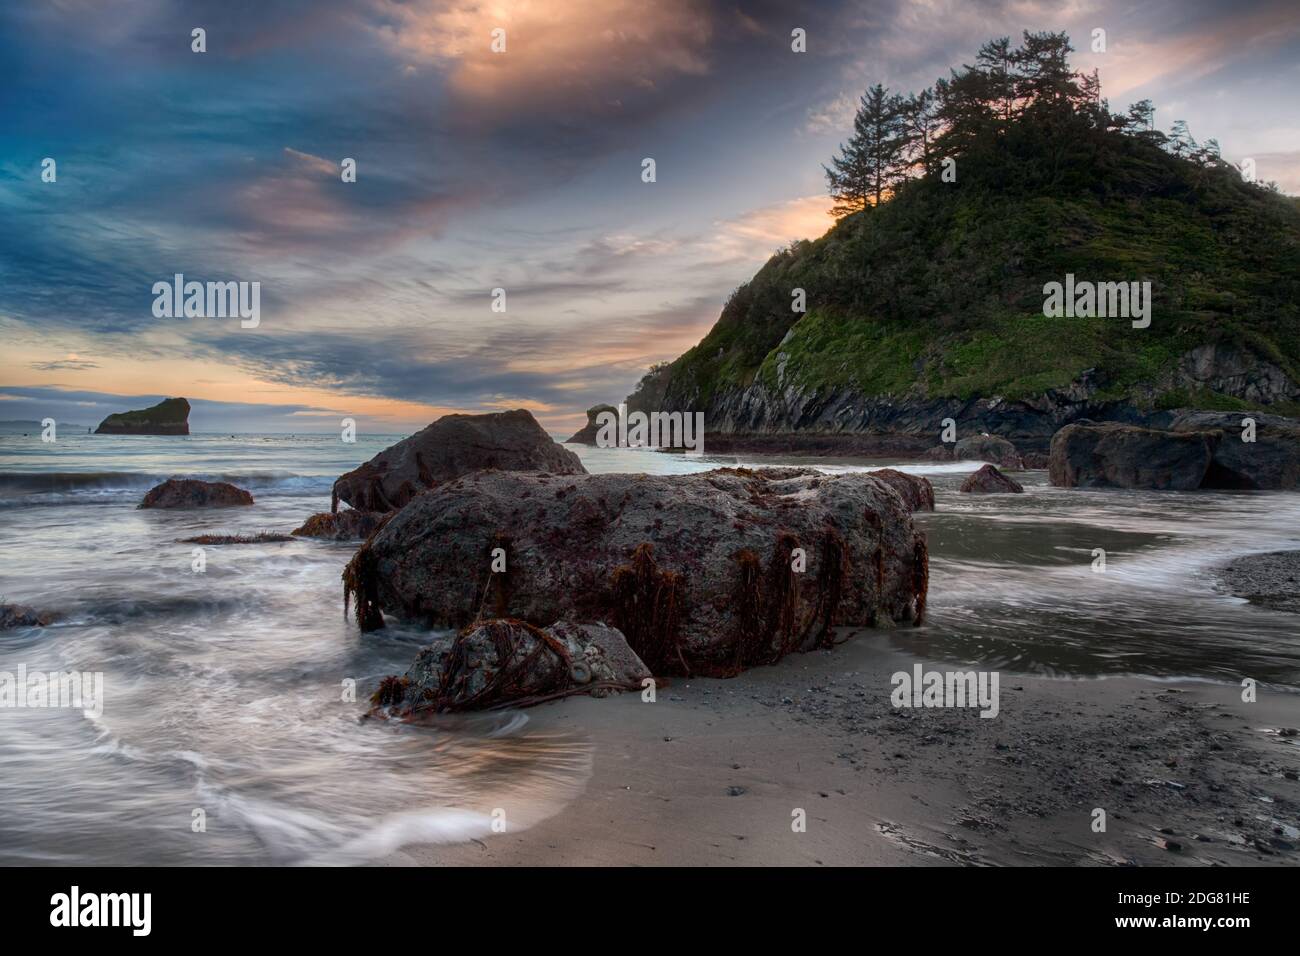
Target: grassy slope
column 939, row 292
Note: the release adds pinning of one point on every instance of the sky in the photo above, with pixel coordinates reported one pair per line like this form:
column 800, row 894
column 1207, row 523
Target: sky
column 479, row 170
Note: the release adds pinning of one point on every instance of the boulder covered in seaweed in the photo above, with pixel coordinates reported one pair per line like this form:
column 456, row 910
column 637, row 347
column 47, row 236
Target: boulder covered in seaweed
column 502, row 662
column 452, row 446
column 346, row 525
column 704, row 574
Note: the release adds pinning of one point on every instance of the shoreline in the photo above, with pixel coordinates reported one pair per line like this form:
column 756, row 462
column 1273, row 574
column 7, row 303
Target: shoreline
column 1270, row 579
column 712, row 772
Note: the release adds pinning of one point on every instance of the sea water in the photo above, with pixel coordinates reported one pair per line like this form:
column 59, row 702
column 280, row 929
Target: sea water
column 227, row 733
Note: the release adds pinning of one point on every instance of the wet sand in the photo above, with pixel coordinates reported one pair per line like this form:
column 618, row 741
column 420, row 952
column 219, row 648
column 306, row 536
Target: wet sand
column 1271, row 579
column 713, row 772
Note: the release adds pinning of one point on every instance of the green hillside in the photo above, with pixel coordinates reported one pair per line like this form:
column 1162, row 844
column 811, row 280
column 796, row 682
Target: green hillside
column 938, row 291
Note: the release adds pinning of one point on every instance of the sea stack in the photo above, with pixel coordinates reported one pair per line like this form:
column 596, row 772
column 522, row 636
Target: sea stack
column 169, row 417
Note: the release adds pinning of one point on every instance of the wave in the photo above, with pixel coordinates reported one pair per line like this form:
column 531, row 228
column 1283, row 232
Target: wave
column 64, row 485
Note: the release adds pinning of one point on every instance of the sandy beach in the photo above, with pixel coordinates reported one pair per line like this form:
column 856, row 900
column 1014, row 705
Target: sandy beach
column 713, row 772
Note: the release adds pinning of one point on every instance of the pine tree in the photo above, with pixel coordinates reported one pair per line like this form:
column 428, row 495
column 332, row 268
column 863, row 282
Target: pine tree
column 1181, row 141
column 996, row 62
column 873, row 162
column 1044, row 75
column 920, row 126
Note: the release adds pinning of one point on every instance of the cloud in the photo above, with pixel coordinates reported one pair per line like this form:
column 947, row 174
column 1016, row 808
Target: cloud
column 762, row 231
column 70, row 363
column 595, row 58
column 1282, row 168
column 475, row 171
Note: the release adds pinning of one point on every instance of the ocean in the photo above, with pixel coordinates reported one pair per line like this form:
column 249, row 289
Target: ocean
column 228, row 733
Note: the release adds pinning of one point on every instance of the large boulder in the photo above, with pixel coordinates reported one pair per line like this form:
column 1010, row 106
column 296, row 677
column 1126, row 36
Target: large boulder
column 498, row 662
column 1270, row 461
column 586, row 435
column 1111, row 455
column 706, row 573
column 346, row 525
column 989, row 481
column 984, row 447
column 916, row 492
column 171, row 416
column 192, row 493
column 452, row 446
column 990, row 448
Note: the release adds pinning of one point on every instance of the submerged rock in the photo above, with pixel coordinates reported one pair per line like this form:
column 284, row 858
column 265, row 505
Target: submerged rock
column 169, row 417
column 346, row 525
column 703, row 573
column 989, row 481
column 20, row 615
column 452, row 446
column 500, row 662
column 1109, row 455
column 192, row 493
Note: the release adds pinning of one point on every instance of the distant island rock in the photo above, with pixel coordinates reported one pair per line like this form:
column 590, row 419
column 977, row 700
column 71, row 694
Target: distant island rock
column 169, row 417
column 586, row 435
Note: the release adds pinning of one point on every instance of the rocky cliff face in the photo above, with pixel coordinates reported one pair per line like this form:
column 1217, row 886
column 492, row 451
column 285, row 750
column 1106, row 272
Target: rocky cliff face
column 169, row 417
column 760, row 411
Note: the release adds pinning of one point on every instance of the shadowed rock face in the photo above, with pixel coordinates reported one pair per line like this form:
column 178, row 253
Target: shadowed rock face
column 989, row 481
column 495, row 663
column 699, row 572
column 169, row 417
column 1271, row 461
column 452, row 446
column 1091, row 455
column 191, row 493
